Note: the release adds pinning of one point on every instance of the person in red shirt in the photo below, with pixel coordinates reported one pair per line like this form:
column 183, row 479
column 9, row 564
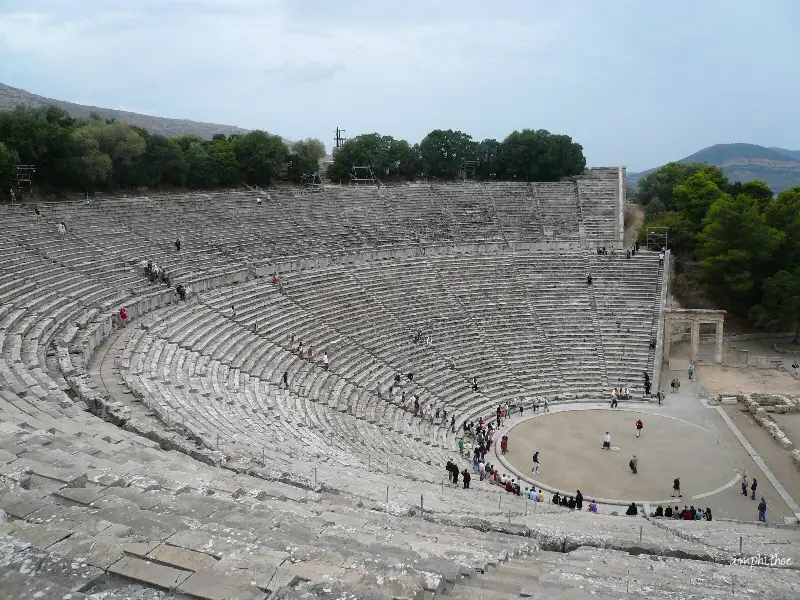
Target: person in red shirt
column 310, row 352
column 274, row 279
column 504, row 445
column 639, row 426
column 123, row 315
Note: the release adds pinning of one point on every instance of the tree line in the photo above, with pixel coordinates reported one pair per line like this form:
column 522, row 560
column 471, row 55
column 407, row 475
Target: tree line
column 738, row 241
column 527, row 155
column 97, row 153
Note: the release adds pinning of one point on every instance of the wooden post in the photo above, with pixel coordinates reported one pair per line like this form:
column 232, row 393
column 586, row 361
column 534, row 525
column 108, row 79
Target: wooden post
column 500, row 500
column 422, row 504
column 315, row 475
column 640, row 534
column 387, row 494
column 740, row 544
column 369, row 462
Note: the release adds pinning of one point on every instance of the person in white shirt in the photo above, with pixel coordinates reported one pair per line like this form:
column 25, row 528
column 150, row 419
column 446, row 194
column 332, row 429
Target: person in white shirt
column 607, row 441
column 325, row 360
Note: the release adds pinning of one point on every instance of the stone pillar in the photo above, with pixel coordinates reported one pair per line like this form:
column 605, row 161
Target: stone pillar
column 695, row 339
column 718, row 346
column 667, row 342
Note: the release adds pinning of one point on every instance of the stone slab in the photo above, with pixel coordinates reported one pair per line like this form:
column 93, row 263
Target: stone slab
column 216, row 586
column 182, row 558
column 97, row 551
column 148, row 572
column 42, row 536
column 20, row 510
column 82, row 496
column 142, row 548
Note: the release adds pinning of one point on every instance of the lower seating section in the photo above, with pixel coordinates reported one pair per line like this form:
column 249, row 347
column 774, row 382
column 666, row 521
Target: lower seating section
column 105, row 513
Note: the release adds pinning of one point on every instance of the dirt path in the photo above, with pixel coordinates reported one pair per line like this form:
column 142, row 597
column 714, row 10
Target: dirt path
column 634, row 215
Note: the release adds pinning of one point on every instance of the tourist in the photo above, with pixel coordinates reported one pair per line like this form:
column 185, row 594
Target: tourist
column 588, row 280
column 614, row 398
column 745, row 481
column 708, row 516
column 660, row 396
column 632, row 510
column 482, row 470
column 546, row 406
column 455, row 475
column 291, row 340
column 275, row 280
column 310, row 352
column 571, row 504
column 753, row 487
column 475, row 385
column 540, row 496
column 286, row 379
column 639, row 426
column 691, row 371
column 676, row 488
column 668, row 512
column 504, row 445
column 178, row 245
column 325, row 360
column 123, row 317
column 607, row 441
column 762, row 510
column 579, row 500
column 410, row 376
column 535, row 468
column 659, row 512
column 698, row 514
column 453, row 424
column 634, row 464
column 661, row 259
column 532, row 495
column 62, row 229
column 677, row 385
column 592, row 506
column 36, row 211
column 795, row 367
column 555, row 499
column 258, row 201
column 688, row 514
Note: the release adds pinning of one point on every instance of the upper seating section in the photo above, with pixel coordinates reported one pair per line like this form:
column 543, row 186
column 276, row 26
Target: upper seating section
column 229, row 227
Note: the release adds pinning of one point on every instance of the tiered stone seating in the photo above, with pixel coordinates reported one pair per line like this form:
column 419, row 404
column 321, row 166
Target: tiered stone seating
column 167, row 457
column 598, row 195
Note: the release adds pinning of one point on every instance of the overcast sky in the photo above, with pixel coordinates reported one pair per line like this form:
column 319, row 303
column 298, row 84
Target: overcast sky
column 636, row 82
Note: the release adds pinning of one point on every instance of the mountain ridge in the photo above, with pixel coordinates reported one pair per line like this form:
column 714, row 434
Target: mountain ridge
column 11, row 97
column 777, row 167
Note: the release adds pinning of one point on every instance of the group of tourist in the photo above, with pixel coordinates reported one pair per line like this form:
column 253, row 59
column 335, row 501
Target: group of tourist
column 612, row 251
column 156, row 273
column 749, row 488
column 307, row 353
column 687, row 514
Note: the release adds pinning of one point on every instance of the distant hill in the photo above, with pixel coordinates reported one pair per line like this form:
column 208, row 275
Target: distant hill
column 11, row 97
column 777, row 167
column 793, row 153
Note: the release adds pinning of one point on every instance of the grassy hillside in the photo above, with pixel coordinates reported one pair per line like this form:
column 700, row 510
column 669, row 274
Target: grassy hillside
column 779, row 168
column 11, row 97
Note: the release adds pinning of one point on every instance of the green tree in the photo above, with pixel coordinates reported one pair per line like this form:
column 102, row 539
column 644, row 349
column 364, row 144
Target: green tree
column 695, row 195
column 310, row 148
column 261, row 156
column 487, row 153
column 442, row 150
column 199, row 167
column 736, row 244
column 530, row 155
column 387, row 156
column 758, row 191
column 223, row 162
column 783, row 214
column 659, row 184
column 163, row 162
column 780, row 301
column 8, row 158
column 91, row 168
